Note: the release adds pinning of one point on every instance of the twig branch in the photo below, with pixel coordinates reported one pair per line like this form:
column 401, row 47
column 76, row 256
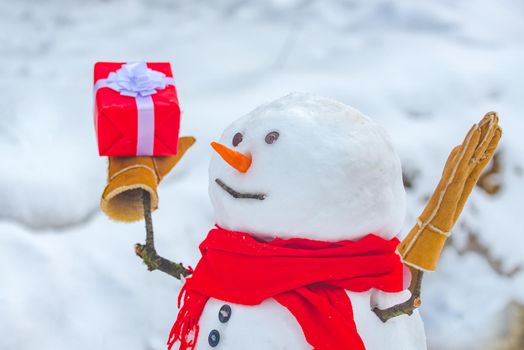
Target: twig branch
column 407, row 307
column 236, row 194
column 490, row 180
column 474, row 245
column 147, row 252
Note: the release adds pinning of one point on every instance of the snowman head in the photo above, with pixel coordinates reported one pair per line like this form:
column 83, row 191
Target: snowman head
column 310, row 167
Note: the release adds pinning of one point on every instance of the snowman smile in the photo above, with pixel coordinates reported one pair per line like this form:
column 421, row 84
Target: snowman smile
column 236, row 194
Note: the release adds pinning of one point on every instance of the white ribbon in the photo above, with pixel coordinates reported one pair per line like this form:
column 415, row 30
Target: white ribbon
column 136, row 80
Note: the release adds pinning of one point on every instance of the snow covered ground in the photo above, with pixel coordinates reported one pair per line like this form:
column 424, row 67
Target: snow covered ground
column 426, row 71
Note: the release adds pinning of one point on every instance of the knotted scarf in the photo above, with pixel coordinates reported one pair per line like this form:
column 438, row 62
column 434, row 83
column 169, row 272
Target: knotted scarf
column 307, row 277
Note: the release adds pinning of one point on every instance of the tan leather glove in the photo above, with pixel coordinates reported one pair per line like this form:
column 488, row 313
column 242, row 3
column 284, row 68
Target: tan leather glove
column 129, row 176
column 423, row 245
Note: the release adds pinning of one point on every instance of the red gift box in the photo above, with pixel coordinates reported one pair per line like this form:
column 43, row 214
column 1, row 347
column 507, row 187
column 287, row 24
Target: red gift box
column 136, row 109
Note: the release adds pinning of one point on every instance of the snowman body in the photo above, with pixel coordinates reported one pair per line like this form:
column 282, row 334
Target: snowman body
column 271, row 326
column 319, row 170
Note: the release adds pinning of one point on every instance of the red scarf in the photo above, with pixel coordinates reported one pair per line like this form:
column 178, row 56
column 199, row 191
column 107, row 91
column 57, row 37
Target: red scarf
column 307, row 277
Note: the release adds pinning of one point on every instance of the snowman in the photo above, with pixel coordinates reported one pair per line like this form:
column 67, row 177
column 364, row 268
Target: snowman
column 308, row 201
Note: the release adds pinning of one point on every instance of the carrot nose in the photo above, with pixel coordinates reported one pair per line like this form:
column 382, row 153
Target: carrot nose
column 236, row 159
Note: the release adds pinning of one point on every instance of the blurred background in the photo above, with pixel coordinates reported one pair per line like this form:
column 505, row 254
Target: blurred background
column 425, row 70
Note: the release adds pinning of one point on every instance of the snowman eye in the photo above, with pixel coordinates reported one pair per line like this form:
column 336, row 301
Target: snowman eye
column 272, row 137
column 237, row 139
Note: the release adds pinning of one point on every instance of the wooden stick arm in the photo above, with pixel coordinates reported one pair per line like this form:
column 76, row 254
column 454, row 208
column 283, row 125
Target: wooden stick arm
column 147, row 252
column 407, row 307
column 131, row 194
column 422, row 247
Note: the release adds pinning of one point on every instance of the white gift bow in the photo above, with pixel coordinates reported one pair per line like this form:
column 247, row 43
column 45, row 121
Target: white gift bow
column 136, row 80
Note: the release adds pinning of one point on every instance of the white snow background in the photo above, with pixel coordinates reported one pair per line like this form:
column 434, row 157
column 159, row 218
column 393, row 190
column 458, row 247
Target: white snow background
column 426, row 70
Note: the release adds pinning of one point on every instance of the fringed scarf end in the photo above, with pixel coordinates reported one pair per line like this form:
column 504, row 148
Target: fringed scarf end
column 185, row 329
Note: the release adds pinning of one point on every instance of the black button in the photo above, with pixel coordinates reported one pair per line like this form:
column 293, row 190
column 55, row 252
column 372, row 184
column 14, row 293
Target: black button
column 224, row 314
column 214, row 338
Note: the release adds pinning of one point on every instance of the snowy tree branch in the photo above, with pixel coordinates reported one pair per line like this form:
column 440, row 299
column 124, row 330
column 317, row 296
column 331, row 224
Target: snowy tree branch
column 490, row 180
column 147, row 252
column 474, row 245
